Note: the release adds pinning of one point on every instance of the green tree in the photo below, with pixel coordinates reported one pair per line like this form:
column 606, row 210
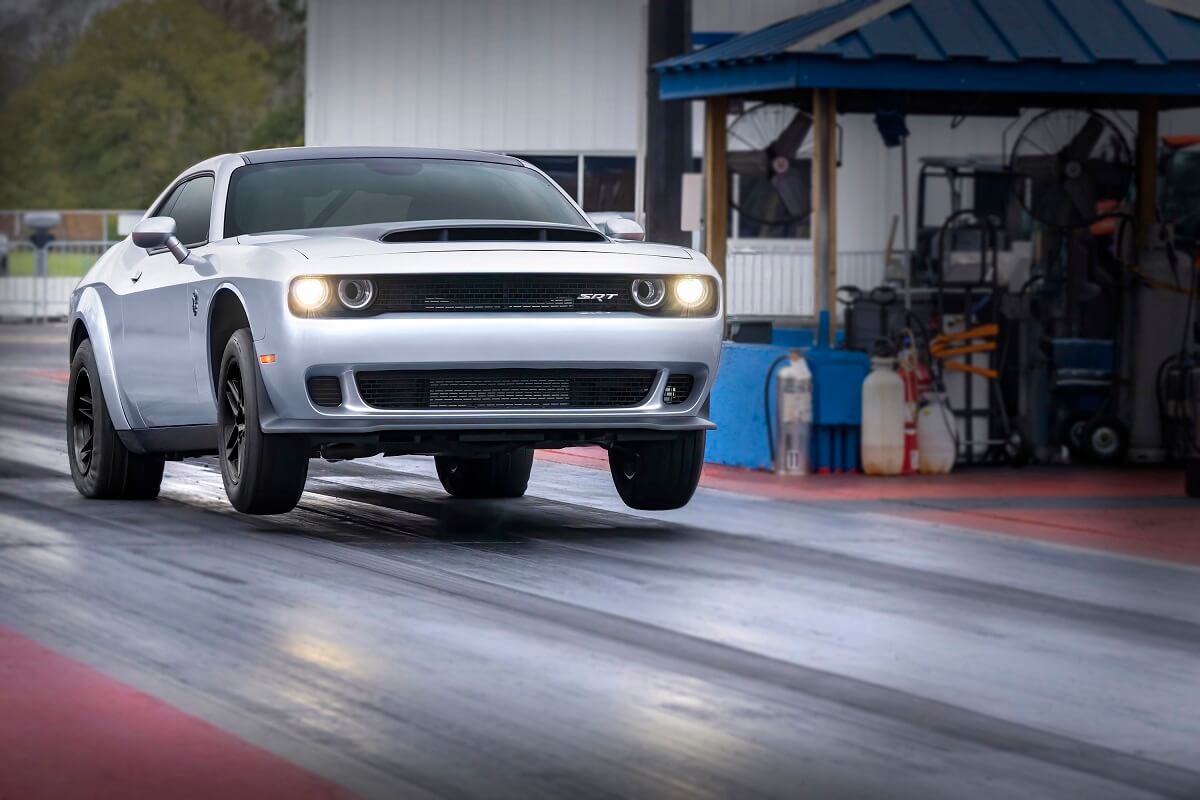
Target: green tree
column 151, row 87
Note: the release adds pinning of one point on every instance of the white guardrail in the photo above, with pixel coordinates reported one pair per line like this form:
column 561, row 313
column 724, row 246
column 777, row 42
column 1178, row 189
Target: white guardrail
column 25, row 296
column 763, row 279
column 775, row 279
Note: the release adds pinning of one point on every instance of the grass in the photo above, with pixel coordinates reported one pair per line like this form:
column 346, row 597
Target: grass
column 59, row 265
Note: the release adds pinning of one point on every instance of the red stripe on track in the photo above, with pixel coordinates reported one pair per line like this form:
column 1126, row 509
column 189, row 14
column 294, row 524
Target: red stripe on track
column 1160, row 531
column 68, row 731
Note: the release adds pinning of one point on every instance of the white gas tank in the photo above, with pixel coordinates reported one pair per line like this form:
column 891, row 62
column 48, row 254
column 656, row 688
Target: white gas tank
column 936, row 448
column 883, row 415
column 794, row 411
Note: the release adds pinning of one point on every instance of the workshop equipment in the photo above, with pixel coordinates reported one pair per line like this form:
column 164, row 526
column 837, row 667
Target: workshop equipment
column 794, row 408
column 883, row 418
column 937, row 442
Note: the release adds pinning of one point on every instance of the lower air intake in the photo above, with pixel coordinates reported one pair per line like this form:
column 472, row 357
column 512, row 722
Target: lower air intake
column 677, row 390
column 325, row 391
column 505, row 388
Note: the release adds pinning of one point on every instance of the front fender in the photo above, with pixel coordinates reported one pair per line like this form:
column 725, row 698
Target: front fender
column 91, row 307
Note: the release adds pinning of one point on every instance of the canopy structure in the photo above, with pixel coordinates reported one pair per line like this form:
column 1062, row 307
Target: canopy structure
column 942, row 57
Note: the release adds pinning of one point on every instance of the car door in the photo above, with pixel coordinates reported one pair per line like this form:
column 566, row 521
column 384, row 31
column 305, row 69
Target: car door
column 156, row 365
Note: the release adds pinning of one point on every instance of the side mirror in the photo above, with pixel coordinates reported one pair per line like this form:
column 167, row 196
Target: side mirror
column 624, row 230
column 153, row 233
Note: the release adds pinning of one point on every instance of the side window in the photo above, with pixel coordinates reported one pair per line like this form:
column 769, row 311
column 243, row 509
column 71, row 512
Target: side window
column 164, row 210
column 192, row 210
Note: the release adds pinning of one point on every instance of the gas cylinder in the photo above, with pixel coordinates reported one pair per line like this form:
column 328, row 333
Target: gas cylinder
column 936, row 447
column 916, row 379
column 883, row 417
column 794, row 403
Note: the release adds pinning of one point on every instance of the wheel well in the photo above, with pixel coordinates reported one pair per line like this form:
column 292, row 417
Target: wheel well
column 79, row 332
column 225, row 319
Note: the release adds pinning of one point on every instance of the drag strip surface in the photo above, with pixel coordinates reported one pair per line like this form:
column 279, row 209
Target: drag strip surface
column 392, row 640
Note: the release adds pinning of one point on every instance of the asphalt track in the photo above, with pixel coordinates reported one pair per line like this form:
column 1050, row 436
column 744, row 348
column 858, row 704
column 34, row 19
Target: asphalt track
column 388, row 641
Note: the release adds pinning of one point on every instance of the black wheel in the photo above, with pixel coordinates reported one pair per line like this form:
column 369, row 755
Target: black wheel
column 499, row 475
column 1105, row 440
column 658, row 475
column 1192, row 477
column 1070, row 433
column 101, row 465
column 263, row 473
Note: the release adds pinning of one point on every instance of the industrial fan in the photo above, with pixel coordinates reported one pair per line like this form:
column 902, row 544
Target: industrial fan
column 1072, row 167
column 770, row 164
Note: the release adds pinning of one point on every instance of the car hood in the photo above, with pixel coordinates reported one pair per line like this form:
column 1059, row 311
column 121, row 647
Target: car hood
column 319, row 247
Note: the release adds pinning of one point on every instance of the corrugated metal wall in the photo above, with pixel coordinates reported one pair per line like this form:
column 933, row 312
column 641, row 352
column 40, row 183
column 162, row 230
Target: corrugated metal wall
column 510, row 75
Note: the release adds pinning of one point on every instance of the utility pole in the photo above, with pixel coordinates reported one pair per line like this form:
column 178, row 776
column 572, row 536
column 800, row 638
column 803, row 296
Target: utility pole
column 668, row 124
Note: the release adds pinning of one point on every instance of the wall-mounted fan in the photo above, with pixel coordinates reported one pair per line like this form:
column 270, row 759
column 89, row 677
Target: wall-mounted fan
column 1072, row 166
column 770, row 163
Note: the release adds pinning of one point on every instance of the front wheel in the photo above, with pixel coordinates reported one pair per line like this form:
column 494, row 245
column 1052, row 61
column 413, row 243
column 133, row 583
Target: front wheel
column 499, row 475
column 263, row 473
column 658, row 475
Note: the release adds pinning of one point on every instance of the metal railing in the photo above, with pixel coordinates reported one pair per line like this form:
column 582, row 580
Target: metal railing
column 775, row 279
column 25, row 295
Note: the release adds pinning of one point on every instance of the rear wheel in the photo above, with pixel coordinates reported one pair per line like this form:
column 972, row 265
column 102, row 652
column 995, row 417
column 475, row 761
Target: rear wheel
column 499, row 475
column 1105, row 440
column 263, row 473
column 101, row 465
column 658, row 475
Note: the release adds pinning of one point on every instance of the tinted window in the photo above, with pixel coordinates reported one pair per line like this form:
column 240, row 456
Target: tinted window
column 608, row 183
column 191, row 211
column 322, row 193
column 164, row 210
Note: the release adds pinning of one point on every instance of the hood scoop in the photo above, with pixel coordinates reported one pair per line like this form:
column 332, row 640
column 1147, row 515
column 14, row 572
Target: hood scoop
column 491, row 233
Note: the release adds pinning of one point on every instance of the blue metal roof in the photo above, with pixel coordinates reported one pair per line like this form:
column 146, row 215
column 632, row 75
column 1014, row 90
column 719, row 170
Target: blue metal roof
column 1074, row 46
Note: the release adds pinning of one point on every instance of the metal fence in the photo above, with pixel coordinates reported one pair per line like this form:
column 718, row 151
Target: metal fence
column 26, row 296
column 775, row 279
column 764, row 279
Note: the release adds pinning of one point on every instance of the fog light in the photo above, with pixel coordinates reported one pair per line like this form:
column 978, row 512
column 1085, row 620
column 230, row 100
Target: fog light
column 690, row 291
column 356, row 294
column 309, row 294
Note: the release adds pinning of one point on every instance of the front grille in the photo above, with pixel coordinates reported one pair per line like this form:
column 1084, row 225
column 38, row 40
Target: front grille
column 503, row 292
column 678, row 389
column 325, row 391
column 505, row 388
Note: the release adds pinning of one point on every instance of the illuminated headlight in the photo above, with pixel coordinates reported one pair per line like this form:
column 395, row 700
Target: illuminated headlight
column 310, row 294
column 356, row 293
column 690, row 292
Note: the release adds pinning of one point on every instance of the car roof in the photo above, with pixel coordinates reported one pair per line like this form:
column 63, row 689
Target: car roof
column 309, row 153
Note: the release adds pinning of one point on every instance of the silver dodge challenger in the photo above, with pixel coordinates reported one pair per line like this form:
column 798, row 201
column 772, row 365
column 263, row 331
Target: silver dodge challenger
column 280, row 305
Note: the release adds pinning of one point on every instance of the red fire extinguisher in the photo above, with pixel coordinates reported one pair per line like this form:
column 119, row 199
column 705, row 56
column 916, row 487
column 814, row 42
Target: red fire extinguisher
column 917, row 380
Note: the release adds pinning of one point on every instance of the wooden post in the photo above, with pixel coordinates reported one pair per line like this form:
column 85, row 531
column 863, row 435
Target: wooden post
column 824, row 205
column 1147, row 169
column 716, row 183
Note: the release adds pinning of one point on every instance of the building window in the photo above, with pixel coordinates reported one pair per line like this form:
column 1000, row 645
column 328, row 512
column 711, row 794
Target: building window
column 609, row 183
column 563, row 170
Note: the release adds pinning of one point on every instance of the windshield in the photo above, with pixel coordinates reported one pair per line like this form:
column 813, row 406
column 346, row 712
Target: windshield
column 324, row 193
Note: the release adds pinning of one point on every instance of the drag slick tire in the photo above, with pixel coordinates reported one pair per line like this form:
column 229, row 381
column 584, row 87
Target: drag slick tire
column 499, row 475
column 263, row 473
column 658, row 475
column 1192, row 477
column 101, row 465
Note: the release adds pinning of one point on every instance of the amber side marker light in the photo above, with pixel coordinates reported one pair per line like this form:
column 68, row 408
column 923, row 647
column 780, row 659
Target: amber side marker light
column 269, row 358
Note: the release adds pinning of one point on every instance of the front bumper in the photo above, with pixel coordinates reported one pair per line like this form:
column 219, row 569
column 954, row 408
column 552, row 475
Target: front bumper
column 310, row 347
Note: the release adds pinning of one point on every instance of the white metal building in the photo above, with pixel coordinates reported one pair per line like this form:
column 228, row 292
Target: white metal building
column 561, row 83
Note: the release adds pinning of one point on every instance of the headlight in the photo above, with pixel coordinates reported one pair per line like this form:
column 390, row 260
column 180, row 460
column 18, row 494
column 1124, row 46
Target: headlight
column 648, row 292
column 356, row 293
column 690, row 292
column 310, row 294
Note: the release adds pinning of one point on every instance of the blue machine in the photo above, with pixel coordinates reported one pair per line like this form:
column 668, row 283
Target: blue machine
column 747, row 379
